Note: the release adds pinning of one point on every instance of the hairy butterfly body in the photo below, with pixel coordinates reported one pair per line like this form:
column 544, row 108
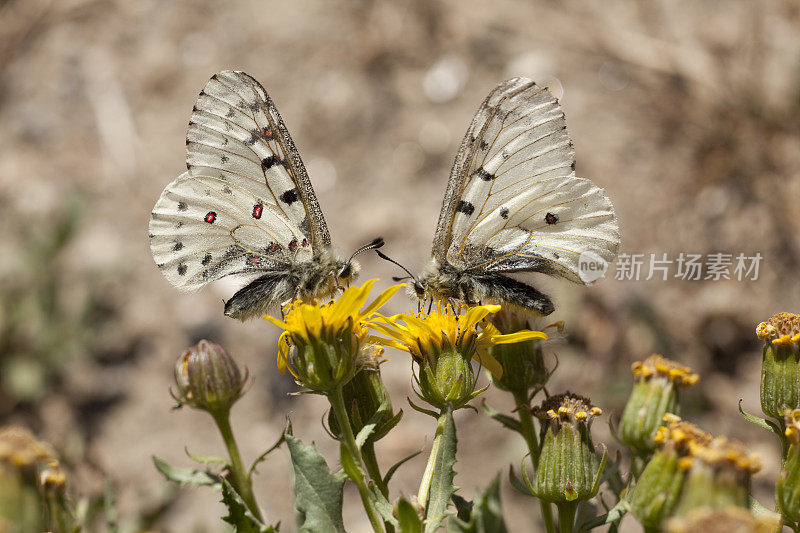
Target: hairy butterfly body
column 513, row 205
column 244, row 206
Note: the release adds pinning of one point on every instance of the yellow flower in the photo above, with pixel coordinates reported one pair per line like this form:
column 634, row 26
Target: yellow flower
column 428, row 334
column 324, row 339
column 444, row 342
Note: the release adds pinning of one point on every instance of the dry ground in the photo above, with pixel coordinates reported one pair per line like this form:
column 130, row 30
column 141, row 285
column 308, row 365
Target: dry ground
column 687, row 113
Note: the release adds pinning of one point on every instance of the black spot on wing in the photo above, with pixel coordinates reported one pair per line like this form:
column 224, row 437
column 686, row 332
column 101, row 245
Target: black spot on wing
column 465, row 207
column 182, row 206
column 504, row 213
column 484, row 175
column 269, row 162
column 289, row 197
column 550, row 218
column 206, row 259
column 182, row 269
column 178, row 246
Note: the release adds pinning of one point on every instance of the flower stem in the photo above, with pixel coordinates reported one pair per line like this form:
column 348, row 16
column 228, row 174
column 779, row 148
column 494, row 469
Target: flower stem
column 336, row 400
column 529, row 434
column 566, row 516
column 240, row 480
column 374, row 471
column 427, row 477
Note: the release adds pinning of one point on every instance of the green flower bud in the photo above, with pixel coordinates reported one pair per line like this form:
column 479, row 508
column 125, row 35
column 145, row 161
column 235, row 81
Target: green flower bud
column 569, row 468
column 208, row 378
column 724, row 520
column 447, row 379
column 323, row 361
column 659, row 487
column 787, row 491
column 523, row 362
column 366, row 398
column 718, row 476
column 654, row 394
column 780, row 367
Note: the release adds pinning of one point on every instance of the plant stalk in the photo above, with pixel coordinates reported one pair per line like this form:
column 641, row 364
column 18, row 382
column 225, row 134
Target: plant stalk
column 240, row 480
column 427, row 477
column 529, row 434
column 566, row 516
column 336, row 400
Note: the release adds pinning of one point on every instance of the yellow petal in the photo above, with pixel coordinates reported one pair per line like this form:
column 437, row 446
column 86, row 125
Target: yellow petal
column 283, row 351
column 382, row 299
column 519, row 336
column 389, row 343
column 477, row 313
column 280, row 323
column 488, row 362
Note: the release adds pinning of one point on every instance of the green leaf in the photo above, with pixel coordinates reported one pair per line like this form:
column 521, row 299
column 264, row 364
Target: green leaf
column 766, row 424
column 350, row 465
column 364, row 434
column 612, row 517
column 463, row 508
column 382, row 505
column 486, row 515
column 185, row 476
column 407, row 517
column 318, row 493
column 264, row 455
column 387, row 426
column 206, row 459
column 511, row 423
column 422, row 410
column 238, row 513
column 517, row 483
column 442, row 488
column 397, row 465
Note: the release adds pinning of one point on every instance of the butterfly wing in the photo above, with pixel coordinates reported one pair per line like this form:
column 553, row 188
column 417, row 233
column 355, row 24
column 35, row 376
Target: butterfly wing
column 246, row 203
column 513, row 202
column 203, row 228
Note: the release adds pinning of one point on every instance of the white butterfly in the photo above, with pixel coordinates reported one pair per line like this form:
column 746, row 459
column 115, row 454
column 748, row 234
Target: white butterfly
column 514, row 204
column 245, row 206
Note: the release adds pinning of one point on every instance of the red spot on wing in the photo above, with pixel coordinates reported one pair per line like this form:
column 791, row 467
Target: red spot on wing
column 550, row 218
column 305, row 243
column 210, row 217
column 257, row 210
column 293, row 245
column 268, row 132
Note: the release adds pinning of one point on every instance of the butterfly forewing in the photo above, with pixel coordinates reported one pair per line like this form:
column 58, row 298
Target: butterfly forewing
column 236, row 134
column 513, row 201
column 245, row 205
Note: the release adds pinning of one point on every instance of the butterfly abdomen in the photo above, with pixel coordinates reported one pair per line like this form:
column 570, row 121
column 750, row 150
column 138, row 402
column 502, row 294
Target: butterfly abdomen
column 445, row 282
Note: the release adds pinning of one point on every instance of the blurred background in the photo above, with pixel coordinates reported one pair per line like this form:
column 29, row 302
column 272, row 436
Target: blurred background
column 687, row 113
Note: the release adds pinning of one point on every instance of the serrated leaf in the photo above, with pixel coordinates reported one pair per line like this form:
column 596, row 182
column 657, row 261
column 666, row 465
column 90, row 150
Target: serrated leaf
column 509, row 422
column 318, row 493
column 397, row 465
column 264, row 455
column 442, row 488
column 486, row 515
column 407, row 517
column 185, row 476
column 239, row 515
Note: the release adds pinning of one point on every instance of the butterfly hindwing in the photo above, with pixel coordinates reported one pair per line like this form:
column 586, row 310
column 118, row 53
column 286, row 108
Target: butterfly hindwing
column 513, row 201
column 203, row 228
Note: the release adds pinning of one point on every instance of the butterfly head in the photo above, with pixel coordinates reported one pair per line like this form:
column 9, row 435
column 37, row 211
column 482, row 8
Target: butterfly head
column 347, row 270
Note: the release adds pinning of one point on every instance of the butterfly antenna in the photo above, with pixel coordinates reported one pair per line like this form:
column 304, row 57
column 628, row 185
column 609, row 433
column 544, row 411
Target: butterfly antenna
column 387, row 258
column 374, row 244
